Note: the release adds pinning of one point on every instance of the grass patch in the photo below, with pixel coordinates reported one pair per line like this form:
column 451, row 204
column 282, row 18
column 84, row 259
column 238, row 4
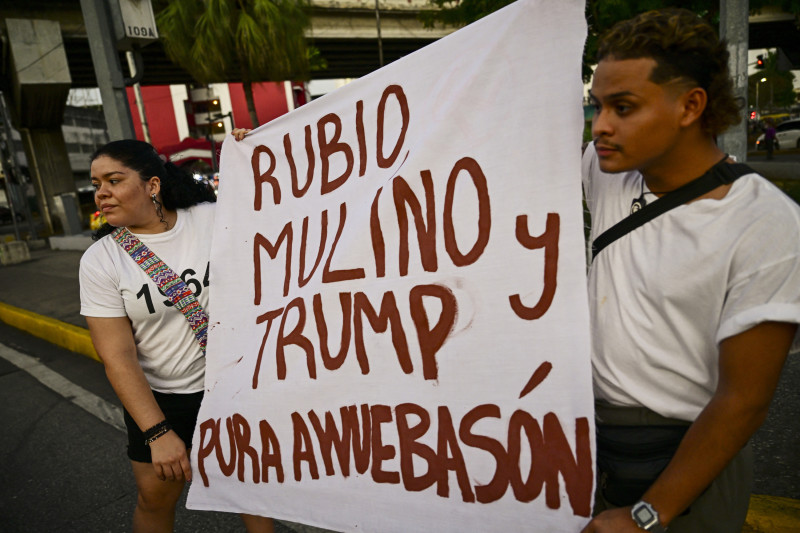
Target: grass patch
column 790, row 187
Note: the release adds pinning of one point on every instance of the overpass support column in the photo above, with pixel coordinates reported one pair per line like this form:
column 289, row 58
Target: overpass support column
column 40, row 84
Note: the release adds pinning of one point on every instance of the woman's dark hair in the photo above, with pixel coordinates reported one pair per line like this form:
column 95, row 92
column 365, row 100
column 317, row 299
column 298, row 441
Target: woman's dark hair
column 179, row 189
column 684, row 47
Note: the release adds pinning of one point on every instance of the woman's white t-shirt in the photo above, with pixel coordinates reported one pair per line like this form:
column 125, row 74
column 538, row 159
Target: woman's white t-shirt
column 114, row 285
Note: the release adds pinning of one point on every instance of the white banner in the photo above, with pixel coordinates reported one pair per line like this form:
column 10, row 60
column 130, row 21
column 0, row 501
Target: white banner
column 399, row 326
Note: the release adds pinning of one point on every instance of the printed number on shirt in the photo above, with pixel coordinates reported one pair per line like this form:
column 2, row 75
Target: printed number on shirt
column 192, row 283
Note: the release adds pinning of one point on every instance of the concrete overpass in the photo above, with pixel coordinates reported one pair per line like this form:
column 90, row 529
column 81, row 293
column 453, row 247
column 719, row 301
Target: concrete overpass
column 773, row 28
column 345, row 32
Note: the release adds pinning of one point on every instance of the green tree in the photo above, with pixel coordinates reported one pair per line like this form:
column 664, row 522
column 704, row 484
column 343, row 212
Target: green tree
column 777, row 91
column 263, row 39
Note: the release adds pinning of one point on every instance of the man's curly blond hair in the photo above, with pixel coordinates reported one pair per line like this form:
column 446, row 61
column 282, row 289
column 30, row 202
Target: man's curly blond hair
column 685, row 48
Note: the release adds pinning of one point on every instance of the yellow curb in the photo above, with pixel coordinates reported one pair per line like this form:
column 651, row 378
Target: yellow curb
column 772, row 514
column 67, row 336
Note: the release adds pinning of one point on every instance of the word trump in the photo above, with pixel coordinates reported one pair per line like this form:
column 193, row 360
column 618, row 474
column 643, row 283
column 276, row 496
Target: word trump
column 355, row 308
column 357, row 442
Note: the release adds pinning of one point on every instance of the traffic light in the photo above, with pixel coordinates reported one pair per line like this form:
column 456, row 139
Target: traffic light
column 760, row 63
column 752, row 115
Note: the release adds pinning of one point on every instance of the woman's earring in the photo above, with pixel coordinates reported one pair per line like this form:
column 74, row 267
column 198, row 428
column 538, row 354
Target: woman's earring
column 159, row 212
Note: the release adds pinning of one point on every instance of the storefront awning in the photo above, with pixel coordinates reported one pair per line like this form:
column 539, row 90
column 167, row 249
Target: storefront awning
column 188, row 150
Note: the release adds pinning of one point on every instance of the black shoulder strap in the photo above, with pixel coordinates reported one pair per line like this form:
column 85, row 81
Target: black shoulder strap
column 720, row 174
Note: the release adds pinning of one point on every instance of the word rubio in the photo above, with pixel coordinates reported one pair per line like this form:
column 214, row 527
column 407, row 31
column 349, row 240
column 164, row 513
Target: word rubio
column 328, row 146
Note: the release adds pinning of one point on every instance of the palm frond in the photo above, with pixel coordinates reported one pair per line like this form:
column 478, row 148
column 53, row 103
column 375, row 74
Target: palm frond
column 266, row 38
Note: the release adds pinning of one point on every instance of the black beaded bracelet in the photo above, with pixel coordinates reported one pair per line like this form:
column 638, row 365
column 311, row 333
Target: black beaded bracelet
column 156, row 431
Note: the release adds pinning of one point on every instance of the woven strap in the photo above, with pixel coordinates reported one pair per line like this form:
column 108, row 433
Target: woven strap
column 168, row 281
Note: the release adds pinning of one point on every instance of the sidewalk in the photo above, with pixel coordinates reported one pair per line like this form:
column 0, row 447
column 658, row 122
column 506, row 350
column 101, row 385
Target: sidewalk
column 41, row 297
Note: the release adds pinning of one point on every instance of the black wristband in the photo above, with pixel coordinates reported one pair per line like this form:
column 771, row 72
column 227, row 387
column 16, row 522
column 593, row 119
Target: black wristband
column 156, row 431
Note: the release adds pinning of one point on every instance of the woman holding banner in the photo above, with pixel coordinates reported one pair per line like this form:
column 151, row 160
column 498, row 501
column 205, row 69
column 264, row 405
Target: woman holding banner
column 159, row 219
column 240, row 133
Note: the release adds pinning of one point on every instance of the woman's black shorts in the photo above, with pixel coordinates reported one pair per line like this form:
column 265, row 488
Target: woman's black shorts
column 181, row 412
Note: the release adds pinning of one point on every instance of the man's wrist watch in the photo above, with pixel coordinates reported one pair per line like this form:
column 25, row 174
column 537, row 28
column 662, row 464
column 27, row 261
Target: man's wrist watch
column 646, row 517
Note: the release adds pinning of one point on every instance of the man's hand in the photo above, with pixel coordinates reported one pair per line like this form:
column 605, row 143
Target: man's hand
column 170, row 459
column 613, row 521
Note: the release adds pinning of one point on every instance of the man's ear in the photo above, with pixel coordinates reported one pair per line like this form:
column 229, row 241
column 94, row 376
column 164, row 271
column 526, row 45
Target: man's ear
column 694, row 103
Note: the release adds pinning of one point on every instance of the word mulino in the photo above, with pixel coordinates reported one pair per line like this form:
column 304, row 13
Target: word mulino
column 354, row 441
column 304, row 261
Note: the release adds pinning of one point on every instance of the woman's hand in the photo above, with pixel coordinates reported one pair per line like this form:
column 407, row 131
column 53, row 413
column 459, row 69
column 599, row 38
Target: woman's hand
column 240, row 133
column 170, row 458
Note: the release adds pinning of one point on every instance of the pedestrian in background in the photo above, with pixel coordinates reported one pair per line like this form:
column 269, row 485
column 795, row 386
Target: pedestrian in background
column 694, row 311
column 153, row 357
column 769, row 137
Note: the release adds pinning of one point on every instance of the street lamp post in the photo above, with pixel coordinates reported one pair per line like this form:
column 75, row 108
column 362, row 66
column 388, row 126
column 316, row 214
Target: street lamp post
column 758, row 103
column 380, row 41
column 771, row 91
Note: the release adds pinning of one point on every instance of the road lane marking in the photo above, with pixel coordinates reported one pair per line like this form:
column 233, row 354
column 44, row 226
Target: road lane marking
column 91, row 403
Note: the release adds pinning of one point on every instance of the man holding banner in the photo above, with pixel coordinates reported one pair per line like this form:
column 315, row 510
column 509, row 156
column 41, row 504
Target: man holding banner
column 694, row 308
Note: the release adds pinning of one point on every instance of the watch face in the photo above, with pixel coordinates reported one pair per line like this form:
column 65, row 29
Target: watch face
column 643, row 515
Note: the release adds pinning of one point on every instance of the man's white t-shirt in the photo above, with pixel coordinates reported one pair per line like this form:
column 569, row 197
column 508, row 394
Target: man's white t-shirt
column 664, row 296
column 114, row 285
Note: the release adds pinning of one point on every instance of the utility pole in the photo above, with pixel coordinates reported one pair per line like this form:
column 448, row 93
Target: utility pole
column 734, row 25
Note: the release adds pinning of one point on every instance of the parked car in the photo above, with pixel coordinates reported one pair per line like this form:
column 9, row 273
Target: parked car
column 5, row 215
column 787, row 135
